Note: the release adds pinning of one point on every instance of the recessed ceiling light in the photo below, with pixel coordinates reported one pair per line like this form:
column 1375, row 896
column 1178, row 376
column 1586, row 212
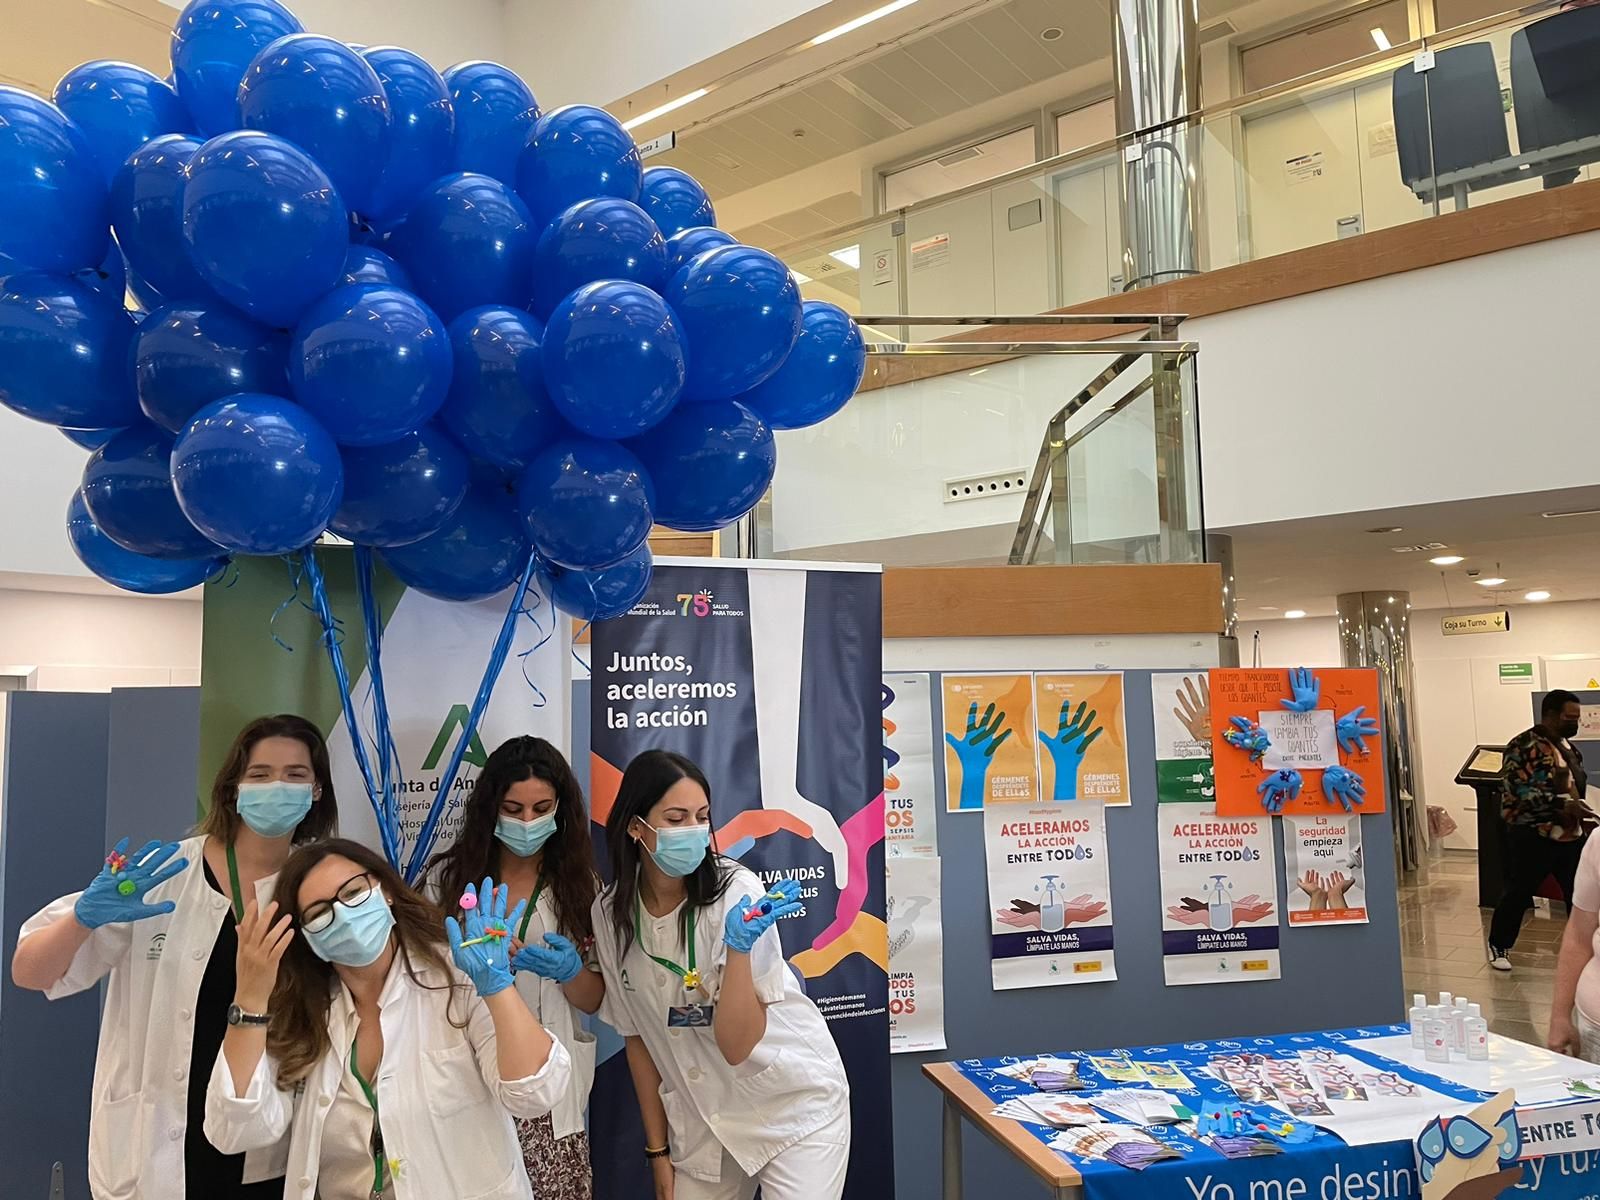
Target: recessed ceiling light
column 1388, row 529
column 1537, row 596
column 662, row 110
column 1294, row 614
column 799, row 276
column 850, row 256
column 1380, row 39
column 864, row 19
column 1269, row 608
column 1492, row 581
column 1053, row 34
column 1447, row 560
column 1572, row 512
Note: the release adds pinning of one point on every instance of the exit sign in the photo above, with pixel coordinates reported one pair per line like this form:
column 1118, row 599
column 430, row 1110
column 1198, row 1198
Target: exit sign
column 1518, row 672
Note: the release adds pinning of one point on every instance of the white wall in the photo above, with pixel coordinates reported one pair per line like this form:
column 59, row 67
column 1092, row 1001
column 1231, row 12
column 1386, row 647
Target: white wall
column 83, row 643
column 1460, row 701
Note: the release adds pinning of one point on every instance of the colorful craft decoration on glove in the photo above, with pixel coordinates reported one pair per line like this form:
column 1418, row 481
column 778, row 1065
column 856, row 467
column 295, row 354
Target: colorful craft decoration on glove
column 1247, row 735
column 1343, row 787
column 747, row 922
column 1353, row 729
column 1278, row 789
column 117, row 894
column 484, row 956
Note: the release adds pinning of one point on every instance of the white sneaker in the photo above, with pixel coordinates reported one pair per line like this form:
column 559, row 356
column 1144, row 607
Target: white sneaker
column 1498, row 960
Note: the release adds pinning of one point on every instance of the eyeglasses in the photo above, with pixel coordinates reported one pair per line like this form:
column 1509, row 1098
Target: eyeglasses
column 352, row 892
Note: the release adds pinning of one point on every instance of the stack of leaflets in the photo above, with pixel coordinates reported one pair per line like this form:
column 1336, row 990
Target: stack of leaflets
column 1241, row 1145
column 1141, row 1106
column 1047, row 1073
column 1123, row 1144
column 1045, row 1110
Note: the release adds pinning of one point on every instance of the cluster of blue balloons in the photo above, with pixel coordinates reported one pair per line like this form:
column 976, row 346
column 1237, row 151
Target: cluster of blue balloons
column 300, row 286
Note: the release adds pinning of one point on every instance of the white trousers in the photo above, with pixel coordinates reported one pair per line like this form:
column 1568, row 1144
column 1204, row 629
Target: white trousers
column 811, row 1169
column 1588, row 1036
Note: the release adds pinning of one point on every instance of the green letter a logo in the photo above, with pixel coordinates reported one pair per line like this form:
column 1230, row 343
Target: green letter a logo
column 455, row 719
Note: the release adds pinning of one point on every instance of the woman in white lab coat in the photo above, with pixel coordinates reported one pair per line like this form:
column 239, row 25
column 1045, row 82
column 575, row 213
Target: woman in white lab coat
column 526, row 825
column 165, row 936
column 395, row 1075
column 739, row 1081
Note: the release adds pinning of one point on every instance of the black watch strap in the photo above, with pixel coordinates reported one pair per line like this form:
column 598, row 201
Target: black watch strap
column 237, row 1016
column 664, row 1152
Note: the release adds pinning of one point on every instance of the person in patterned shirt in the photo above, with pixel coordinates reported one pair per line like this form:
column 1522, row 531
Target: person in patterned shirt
column 1542, row 806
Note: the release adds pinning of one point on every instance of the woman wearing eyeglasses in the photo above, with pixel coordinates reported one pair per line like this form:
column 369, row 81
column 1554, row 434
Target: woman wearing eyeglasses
column 738, row 1079
column 526, row 826
column 394, row 1075
column 164, row 938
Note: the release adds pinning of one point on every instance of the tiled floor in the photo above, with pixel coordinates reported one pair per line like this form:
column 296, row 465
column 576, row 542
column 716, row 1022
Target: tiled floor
column 1442, row 934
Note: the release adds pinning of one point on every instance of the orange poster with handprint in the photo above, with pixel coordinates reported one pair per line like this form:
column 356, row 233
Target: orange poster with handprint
column 989, row 753
column 1083, row 740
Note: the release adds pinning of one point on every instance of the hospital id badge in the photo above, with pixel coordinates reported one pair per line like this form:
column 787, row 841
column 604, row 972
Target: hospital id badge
column 690, row 1016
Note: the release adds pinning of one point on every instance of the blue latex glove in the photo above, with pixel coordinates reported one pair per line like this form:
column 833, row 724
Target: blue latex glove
column 1278, row 789
column 557, row 959
column 487, row 963
column 975, row 751
column 1353, row 730
column 1307, row 690
column 1343, row 786
column 782, row 901
column 117, row 897
column 1067, row 748
column 1248, row 736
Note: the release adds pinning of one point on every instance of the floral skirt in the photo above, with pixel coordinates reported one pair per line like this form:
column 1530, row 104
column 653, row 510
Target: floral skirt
column 557, row 1167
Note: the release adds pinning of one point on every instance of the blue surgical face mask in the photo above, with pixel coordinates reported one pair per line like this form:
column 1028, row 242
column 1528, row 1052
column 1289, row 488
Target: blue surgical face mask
column 680, row 849
column 274, row 809
column 525, row 838
column 358, row 933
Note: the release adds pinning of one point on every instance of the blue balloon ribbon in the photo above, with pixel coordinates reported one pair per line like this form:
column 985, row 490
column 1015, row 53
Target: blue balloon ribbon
column 389, row 766
column 443, row 802
column 331, row 639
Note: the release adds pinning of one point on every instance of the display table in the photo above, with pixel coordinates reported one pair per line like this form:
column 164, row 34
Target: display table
column 1369, row 1084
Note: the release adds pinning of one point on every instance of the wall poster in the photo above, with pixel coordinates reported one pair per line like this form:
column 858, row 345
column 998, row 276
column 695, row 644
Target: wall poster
column 1083, row 740
column 1219, row 896
column 916, row 956
column 1326, row 882
column 989, row 755
column 910, row 818
column 1182, row 706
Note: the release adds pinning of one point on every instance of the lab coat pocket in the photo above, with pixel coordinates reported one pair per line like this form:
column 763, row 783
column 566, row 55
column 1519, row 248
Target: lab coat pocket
column 473, row 1131
column 781, row 1090
column 116, row 1147
column 695, row 1148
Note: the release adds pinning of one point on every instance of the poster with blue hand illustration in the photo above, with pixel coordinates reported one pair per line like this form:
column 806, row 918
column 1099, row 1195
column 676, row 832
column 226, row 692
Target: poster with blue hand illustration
column 989, row 737
column 1083, row 744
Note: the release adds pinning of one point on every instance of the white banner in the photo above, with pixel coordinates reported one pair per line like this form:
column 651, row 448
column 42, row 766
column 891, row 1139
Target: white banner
column 434, row 653
column 910, row 811
column 916, row 956
column 1049, row 894
column 1219, row 901
column 1326, row 883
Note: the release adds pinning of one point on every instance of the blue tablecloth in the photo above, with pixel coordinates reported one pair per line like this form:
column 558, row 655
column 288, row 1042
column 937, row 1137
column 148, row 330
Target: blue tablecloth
column 1324, row 1168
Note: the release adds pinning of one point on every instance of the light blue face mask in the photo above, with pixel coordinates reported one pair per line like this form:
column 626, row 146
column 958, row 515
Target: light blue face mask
column 274, row 809
column 679, row 850
column 357, row 934
column 525, row 838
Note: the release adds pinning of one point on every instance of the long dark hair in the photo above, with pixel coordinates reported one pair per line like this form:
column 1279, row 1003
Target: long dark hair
column 221, row 820
column 298, row 1034
column 643, row 784
column 568, row 864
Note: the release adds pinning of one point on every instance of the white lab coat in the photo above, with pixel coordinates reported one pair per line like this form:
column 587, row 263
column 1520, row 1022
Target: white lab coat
column 141, row 1073
column 792, row 1085
column 549, row 1003
column 445, row 1111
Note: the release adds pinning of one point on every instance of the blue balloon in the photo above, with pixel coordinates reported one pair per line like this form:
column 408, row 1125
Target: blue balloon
column 586, row 503
column 64, row 353
column 399, row 493
column 54, row 212
column 596, row 239
column 257, row 474
column 467, row 242
column 265, row 226
column 697, row 239
column 820, row 375
column 363, row 264
column 495, row 114
column 370, row 362
column 423, row 134
column 147, row 214
column 603, row 594
column 89, row 439
column 613, row 360
column 674, row 200
column 110, row 278
column 739, row 311
column 325, row 98
column 711, row 462
column 576, row 152
column 127, row 570
column 127, row 485
column 186, row 357
column 479, row 552
column 498, row 407
column 119, row 107
column 213, row 42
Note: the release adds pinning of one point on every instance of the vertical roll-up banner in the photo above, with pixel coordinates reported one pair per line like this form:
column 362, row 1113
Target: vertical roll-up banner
column 770, row 678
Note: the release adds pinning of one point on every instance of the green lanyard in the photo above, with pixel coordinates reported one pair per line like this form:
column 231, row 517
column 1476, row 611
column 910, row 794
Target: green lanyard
column 233, row 885
column 690, row 976
column 527, row 914
column 377, row 1131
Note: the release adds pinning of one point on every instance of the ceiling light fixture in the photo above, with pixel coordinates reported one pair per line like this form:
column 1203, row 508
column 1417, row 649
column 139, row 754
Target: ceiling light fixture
column 1052, row 34
column 863, row 19
column 662, row 110
column 1492, row 581
column 1572, row 512
column 1447, row 560
column 1294, row 614
column 1381, row 39
column 850, row 256
column 1537, row 596
column 1388, row 529
column 799, row 276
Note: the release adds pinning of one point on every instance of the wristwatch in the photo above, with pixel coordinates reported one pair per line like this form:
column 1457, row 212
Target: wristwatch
column 237, row 1016
column 663, row 1152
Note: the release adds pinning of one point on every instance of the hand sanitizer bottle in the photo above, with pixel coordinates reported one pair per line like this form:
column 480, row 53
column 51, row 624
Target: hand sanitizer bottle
column 1477, row 1030
column 1221, row 903
column 1457, row 1016
column 1437, row 1045
column 1052, row 913
column 1418, row 1015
